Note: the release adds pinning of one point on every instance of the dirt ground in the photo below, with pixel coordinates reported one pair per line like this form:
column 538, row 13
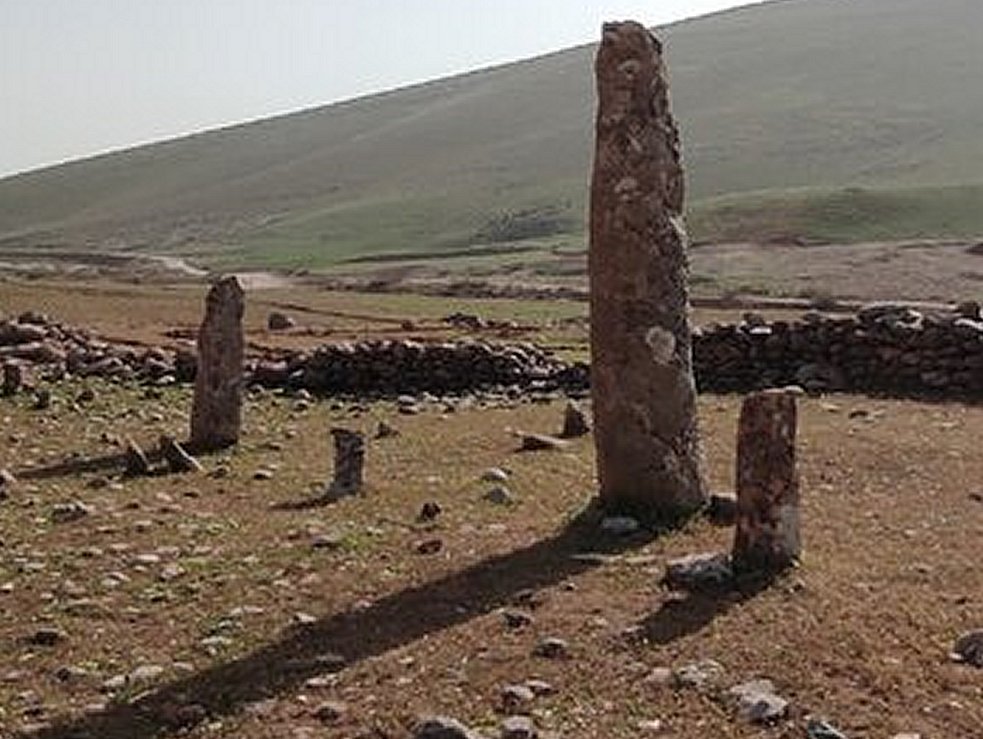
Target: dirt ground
column 226, row 604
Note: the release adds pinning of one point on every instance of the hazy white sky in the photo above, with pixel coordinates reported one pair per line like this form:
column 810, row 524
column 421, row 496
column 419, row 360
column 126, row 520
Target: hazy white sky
column 79, row 77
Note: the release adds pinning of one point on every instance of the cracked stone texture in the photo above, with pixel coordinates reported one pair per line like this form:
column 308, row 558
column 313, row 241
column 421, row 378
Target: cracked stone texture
column 648, row 450
column 216, row 414
column 767, row 537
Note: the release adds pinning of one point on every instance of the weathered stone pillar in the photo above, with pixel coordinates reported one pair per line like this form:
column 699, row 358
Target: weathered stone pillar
column 349, row 459
column 649, row 457
column 217, row 411
column 767, row 538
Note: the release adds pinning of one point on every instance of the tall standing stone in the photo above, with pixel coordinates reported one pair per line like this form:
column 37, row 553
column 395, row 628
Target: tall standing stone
column 649, row 456
column 767, row 538
column 217, row 411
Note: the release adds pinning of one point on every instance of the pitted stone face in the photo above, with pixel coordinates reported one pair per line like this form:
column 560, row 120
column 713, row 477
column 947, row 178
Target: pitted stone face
column 648, row 448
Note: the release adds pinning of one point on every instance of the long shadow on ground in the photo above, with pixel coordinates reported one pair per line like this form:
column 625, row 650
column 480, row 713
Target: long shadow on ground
column 346, row 638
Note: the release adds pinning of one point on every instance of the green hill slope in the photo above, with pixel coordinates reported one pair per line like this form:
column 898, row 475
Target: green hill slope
column 855, row 102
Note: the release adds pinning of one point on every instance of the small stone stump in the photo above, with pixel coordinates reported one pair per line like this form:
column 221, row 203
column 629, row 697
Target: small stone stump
column 767, row 538
column 349, row 460
column 14, row 378
column 216, row 414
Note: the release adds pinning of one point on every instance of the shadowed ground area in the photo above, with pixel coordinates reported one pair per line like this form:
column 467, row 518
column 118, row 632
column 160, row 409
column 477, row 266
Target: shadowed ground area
column 341, row 640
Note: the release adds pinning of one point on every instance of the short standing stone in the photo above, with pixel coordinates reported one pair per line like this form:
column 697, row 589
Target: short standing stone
column 14, row 378
column 649, row 459
column 767, row 538
column 349, row 460
column 575, row 421
column 42, row 399
column 216, row 414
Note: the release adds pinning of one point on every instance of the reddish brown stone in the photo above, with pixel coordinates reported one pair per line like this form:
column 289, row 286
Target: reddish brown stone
column 767, row 536
column 217, row 411
column 648, row 451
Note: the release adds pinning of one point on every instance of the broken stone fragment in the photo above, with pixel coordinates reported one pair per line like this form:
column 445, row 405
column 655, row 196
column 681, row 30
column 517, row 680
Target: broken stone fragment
column 68, row 512
column 968, row 649
column 541, row 442
column 135, row 460
column 277, row 321
column 386, row 431
column 700, row 674
column 442, row 727
column 575, row 423
column 758, row 703
column 696, row 572
column 518, row 727
column 177, row 458
column 499, row 495
column 7, row 482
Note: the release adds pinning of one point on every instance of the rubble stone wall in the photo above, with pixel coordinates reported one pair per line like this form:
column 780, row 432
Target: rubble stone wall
column 882, row 350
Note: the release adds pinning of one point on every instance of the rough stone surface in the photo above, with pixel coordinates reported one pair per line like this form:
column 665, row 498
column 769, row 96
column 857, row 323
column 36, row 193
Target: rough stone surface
column 349, row 459
column 442, row 727
column 699, row 572
column 767, row 536
column 216, row 414
column 758, row 703
column 644, row 396
column 575, row 423
column 702, row 674
column 969, row 648
column 277, row 321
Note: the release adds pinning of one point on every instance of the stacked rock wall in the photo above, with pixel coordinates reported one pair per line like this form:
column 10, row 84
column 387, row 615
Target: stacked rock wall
column 882, row 351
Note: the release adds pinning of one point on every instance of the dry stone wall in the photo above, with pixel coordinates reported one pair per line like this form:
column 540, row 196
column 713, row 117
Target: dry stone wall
column 882, row 350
